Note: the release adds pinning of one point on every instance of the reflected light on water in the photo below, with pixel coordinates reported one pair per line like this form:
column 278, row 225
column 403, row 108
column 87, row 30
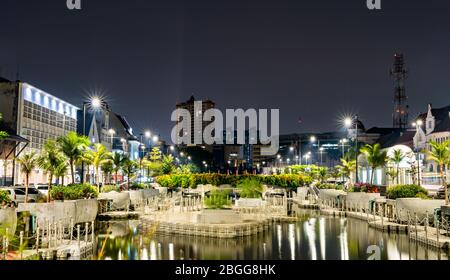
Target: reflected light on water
column 322, row 238
column 279, row 236
column 291, row 234
column 153, row 255
column 343, row 240
column 311, row 235
column 171, row 252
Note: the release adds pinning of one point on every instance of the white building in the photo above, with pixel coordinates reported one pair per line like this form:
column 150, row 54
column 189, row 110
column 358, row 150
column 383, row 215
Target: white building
column 434, row 125
column 35, row 115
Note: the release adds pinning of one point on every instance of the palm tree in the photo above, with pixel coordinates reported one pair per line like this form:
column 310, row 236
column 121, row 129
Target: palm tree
column 73, row 146
column 118, row 160
column 375, row 156
column 322, row 174
column 346, row 168
column 440, row 153
column 61, row 171
column 100, row 156
column 129, row 167
column 397, row 157
column 28, row 163
column 50, row 159
column 107, row 169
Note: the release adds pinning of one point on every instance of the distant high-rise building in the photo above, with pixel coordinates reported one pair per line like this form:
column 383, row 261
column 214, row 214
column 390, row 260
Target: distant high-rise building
column 196, row 115
column 398, row 72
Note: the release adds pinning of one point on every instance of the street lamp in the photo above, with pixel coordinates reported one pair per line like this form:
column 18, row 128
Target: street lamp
column 418, row 125
column 349, row 122
column 321, row 149
column 307, row 156
column 94, row 103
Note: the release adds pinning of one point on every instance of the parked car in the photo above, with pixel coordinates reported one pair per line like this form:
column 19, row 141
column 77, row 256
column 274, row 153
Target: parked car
column 18, row 194
column 42, row 188
column 441, row 193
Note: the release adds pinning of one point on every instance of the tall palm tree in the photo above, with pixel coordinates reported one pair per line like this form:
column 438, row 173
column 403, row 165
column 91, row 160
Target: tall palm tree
column 440, row 153
column 100, row 156
column 129, row 167
column 28, row 163
column 346, row 168
column 107, row 168
column 61, row 171
column 397, row 157
column 118, row 160
column 73, row 146
column 375, row 156
column 49, row 160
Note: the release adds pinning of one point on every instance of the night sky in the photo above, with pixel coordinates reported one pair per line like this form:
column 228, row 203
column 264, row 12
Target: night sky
column 313, row 59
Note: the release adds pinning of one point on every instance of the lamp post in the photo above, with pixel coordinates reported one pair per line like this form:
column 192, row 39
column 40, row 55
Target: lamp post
column 349, row 122
column 418, row 125
column 95, row 103
column 343, row 142
column 313, row 139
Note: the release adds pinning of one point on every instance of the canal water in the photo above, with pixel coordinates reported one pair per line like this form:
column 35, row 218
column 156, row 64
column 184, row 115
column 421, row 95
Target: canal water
column 313, row 237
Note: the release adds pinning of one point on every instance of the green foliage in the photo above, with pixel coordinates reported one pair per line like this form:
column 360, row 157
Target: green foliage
column 406, row 191
column 250, row 188
column 73, row 147
column 138, row 186
column 110, row 188
column 187, row 169
column 167, row 166
column 291, row 181
column 218, row 199
column 3, row 134
column 4, row 197
column 330, row 187
column 74, row 192
column 375, row 156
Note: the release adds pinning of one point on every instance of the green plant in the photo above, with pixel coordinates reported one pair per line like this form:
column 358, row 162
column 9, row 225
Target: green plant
column 50, row 160
column 74, row 192
column 28, row 163
column 138, row 186
column 250, row 188
column 4, row 197
column 118, row 160
column 406, row 191
column 397, row 157
column 440, row 153
column 375, row 156
column 110, row 188
column 330, row 187
column 3, row 134
column 73, row 146
column 129, row 167
column 218, row 199
column 346, row 168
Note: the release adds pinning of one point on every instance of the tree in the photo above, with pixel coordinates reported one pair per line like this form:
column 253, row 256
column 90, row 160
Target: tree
column 49, row 160
column 3, row 134
column 129, row 167
column 440, row 153
column 73, row 146
column 100, row 156
column 28, row 163
column 107, row 169
column 61, row 171
column 375, row 156
column 397, row 157
column 117, row 160
column 322, row 174
column 167, row 166
column 155, row 154
column 346, row 168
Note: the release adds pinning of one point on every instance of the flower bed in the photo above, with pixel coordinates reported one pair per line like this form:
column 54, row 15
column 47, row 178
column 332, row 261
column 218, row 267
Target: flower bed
column 407, row 191
column 73, row 192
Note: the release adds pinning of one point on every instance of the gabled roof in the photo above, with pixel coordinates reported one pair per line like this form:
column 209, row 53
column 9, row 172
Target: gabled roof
column 382, row 130
column 443, row 126
column 397, row 138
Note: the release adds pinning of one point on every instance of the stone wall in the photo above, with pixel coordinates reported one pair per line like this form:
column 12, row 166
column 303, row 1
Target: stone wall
column 81, row 211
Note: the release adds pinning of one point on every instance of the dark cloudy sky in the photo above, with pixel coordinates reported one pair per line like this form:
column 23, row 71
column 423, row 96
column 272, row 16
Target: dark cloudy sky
column 311, row 59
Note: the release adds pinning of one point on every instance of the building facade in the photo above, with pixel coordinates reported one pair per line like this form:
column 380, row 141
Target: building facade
column 37, row 116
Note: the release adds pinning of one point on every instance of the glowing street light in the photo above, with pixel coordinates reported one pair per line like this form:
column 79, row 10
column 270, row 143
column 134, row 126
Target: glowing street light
column 148, row 134
column 155, row 139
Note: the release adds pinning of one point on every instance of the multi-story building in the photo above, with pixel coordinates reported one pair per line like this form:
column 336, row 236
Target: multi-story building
column 434, row 125
column 35, row 115
column 196, row 116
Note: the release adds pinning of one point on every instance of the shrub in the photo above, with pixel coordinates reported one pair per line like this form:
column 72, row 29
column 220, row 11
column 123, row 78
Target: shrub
column 73, row 192
column 110, row 188
column 138, row 186
column 406, row 191
column 250, row 188
column 365, row 188
column 326, row 186
column 4, row 197
column 218, row 199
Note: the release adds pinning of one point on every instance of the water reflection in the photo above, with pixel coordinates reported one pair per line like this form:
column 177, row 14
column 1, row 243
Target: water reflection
column 312, row 238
